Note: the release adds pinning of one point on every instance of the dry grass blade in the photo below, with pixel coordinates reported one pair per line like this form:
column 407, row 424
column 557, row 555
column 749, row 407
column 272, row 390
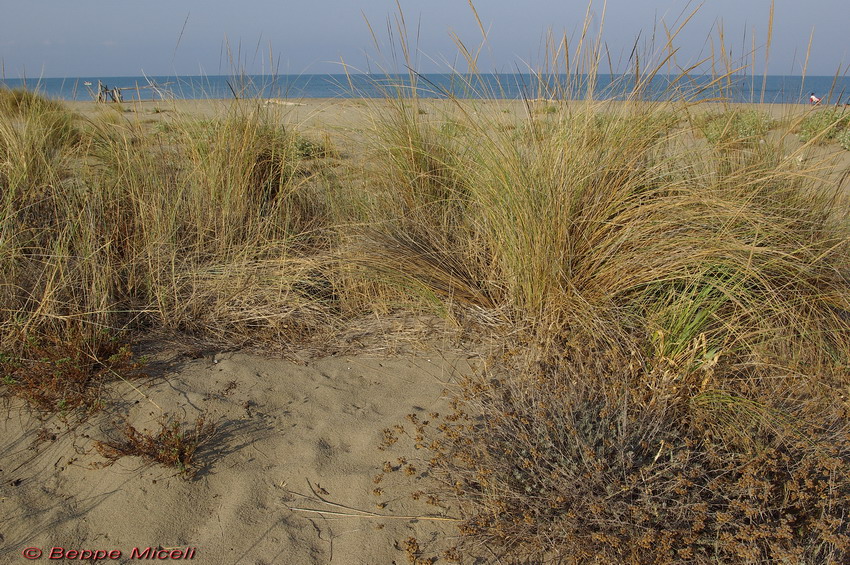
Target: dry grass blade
column 350, row 512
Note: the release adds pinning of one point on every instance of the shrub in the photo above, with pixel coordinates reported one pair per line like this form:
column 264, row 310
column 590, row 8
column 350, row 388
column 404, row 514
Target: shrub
column 173, row 445
column 589, row 457
column 64, row 374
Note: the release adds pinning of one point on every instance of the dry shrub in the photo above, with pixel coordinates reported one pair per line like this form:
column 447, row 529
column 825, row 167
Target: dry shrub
column 589, row 457
column 66, row 374
column 174, row 445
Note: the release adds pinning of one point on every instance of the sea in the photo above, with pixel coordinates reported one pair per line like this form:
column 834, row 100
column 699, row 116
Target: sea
column 777, row 89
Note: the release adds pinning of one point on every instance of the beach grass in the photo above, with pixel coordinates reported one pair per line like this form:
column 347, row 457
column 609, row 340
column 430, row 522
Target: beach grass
column 682, row 313
column 672, row 279
column 663, row 285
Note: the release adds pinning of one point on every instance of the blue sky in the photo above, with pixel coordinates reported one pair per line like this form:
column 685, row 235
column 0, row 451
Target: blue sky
column 65, row 38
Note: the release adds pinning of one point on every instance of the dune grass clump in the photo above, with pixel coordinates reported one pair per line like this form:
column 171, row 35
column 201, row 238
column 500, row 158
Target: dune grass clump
column 22, row 100
column 258, row 216
column 57, row 126
column 681, row 314
column 44, row 208
column 248, row 169
column 573, row 218
column 416, row 157
column 37, row 141
column 124, row 228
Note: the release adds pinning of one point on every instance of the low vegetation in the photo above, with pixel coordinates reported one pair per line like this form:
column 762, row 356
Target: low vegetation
column 843, row 139
column 739, row 126
column 824, row 125
column 670, row 318
column 68, row 376
column 174, row 445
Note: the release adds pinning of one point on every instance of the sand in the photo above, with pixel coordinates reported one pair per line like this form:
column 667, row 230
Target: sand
column 283, row 428
column 344, row 122
column 288, row 432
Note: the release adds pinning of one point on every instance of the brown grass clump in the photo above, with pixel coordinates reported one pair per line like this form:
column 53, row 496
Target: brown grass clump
column 174, row 445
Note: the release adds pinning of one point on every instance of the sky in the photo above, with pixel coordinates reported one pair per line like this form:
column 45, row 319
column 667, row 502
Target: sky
column 93, row 38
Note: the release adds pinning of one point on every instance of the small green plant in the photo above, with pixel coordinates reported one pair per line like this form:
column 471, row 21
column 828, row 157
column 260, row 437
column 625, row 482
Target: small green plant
column 165, row 127
column 175, row 444
column 734, row 126
column 824, row 125
column 308, row 149
column 843, row 139
column 547, row 109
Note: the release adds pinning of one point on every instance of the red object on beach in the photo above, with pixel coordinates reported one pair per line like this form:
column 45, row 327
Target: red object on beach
column 814, row 99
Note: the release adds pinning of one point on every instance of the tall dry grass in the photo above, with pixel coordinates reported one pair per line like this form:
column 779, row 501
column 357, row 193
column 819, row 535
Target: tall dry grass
column 109, row 226
column 666, row 286
column 683, row 313
column 670, row 290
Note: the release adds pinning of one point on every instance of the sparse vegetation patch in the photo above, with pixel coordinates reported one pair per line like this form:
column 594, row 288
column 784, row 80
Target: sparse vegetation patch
column 175, row 444
column 67, row 376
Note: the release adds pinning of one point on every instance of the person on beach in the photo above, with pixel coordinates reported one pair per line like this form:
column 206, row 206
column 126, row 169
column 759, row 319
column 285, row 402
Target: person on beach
column 814, row 99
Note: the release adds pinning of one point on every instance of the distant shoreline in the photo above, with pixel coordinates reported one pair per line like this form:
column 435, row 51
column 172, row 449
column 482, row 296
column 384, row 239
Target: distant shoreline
column 778, row 89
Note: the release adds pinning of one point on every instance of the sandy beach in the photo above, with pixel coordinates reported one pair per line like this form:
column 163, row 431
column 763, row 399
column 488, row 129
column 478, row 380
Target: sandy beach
column 287, row 477
column 289, row 474
column 287, row 435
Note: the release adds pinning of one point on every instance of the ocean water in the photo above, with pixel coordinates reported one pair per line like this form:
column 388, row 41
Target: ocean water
column 774, row 89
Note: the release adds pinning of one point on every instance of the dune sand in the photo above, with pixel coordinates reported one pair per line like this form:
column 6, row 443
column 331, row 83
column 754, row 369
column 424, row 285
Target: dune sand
column 283, row 428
